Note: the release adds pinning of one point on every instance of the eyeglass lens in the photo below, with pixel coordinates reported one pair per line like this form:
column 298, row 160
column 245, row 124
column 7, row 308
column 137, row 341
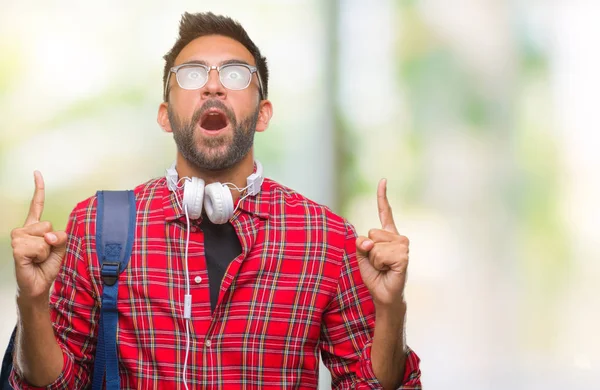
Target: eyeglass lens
column 233, row 77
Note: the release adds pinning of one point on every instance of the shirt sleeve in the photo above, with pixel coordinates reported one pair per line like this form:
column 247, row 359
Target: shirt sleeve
column 17, row 382
column 74, row 309
column 347, row 331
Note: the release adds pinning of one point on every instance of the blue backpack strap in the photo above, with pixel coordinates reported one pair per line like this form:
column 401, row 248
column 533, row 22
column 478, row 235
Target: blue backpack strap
column 7, row 362
column 115, row 228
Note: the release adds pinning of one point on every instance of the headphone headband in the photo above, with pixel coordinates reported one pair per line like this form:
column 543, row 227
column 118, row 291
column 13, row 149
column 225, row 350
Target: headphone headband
column 255, row 180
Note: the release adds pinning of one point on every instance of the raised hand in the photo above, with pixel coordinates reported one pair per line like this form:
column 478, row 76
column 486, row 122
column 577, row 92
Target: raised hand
column 38, row 250
column 383, row 256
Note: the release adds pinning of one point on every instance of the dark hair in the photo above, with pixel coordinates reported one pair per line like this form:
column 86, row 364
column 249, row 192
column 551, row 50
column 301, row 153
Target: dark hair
column 197, row 25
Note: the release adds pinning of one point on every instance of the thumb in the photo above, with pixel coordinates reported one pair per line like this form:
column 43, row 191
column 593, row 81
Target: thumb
column 363, row 246
column 58, row 241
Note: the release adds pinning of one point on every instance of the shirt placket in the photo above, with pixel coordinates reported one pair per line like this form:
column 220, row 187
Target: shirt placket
column 246, row 228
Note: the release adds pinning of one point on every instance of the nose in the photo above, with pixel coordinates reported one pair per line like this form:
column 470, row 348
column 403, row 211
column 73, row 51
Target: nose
column 213, row 87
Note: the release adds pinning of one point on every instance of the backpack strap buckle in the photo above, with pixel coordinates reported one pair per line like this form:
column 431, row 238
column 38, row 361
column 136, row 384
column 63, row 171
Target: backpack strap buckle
column 110, row 272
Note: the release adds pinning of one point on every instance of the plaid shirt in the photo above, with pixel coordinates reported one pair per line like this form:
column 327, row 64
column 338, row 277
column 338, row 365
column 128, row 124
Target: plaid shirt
column 295, row 291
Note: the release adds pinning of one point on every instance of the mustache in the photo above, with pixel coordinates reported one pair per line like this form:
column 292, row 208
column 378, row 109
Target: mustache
column 214, row 104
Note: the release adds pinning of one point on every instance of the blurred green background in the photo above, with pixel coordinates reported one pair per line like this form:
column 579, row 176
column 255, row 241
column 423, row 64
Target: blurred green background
column 481, row 114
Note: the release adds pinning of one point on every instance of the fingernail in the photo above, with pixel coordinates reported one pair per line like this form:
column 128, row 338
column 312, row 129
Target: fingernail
column 51, row 237
column 366, row 243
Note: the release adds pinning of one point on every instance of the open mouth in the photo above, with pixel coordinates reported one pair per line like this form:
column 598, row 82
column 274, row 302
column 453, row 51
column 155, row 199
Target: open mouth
column 214, row 120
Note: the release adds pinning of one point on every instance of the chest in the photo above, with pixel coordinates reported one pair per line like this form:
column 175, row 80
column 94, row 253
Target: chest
column 282, row 271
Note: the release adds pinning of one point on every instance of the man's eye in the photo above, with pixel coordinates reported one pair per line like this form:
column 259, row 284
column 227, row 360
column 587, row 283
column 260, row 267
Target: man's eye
column 194, row 75
column 233, row 75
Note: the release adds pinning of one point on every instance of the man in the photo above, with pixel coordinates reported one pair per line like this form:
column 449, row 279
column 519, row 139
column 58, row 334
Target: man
column 242, row 290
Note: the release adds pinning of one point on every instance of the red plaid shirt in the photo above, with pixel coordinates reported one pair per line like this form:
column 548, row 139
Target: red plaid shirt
column 295, row 291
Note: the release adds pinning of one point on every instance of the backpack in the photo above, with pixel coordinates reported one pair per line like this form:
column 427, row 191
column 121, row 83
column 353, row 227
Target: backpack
column 115, row 228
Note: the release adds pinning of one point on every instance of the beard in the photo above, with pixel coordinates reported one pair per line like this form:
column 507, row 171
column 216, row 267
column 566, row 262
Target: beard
column 206, row 156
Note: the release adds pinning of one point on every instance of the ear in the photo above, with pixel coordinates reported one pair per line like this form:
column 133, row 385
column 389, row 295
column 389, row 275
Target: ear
column 264, row 115
column 163, row 117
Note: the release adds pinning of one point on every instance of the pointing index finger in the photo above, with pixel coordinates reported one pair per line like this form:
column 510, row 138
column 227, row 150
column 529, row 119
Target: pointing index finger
column 37, row 202
column 385, row 210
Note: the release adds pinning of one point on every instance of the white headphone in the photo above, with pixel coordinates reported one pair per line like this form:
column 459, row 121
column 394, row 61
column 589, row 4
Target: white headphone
column 215, row 197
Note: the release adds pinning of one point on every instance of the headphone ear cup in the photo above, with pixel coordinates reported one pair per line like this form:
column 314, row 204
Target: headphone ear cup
column 218, row 203
column 193, row 197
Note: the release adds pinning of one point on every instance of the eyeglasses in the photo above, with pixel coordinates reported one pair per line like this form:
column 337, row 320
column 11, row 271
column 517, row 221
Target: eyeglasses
column 234, row 76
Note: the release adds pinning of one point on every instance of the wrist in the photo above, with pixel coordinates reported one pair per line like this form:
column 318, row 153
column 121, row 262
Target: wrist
column 26, row 304
column 393, row 314
column 390, row 321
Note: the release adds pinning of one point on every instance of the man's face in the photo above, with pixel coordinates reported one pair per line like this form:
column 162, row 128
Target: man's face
column 213, row 126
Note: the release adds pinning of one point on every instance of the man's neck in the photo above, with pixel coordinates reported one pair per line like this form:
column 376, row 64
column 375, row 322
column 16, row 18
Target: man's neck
column 236, row 174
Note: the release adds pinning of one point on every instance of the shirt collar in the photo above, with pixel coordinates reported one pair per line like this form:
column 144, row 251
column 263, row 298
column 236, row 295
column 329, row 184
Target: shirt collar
column 259, row 204
column 171, row 208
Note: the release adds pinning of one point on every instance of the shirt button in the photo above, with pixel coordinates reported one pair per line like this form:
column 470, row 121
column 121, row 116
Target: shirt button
column 208, row 343
column 198, row 279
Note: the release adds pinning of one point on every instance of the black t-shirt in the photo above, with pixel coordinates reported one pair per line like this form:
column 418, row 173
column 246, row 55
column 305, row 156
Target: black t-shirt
column 221, row 246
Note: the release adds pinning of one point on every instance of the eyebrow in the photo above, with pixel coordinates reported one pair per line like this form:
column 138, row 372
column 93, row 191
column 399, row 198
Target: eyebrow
column 226, row 62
